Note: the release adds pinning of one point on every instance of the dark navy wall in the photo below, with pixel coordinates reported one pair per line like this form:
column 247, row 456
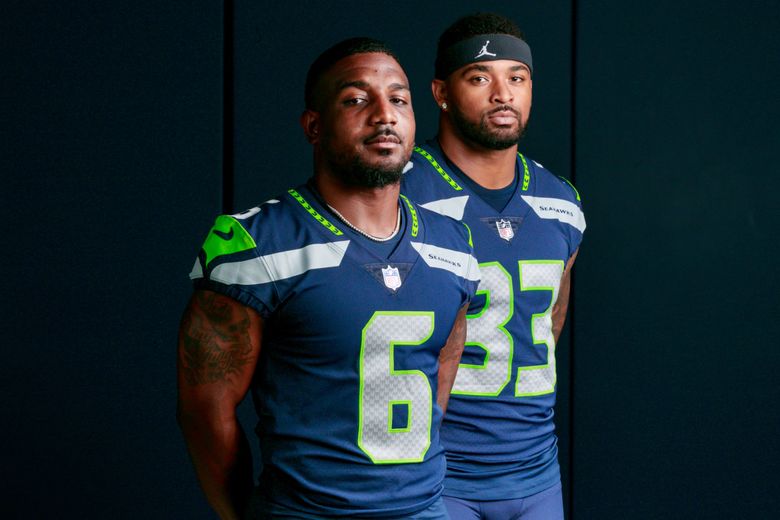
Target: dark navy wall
column 111, row 166
column 112, row 172
column 677, row 301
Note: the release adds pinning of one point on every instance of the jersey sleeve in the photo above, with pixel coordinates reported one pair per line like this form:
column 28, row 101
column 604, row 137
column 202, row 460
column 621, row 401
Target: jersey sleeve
column 230, row 262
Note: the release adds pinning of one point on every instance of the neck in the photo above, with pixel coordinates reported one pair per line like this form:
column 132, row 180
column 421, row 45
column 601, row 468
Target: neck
column 491, row 169
column 372, row 210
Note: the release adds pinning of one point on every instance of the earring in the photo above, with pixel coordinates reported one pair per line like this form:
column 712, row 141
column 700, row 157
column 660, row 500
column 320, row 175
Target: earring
column 444, row 106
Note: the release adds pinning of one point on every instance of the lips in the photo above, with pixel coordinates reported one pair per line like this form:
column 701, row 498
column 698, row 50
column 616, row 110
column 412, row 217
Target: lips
column 502, row 119
column 386, row 137
column 504, row 115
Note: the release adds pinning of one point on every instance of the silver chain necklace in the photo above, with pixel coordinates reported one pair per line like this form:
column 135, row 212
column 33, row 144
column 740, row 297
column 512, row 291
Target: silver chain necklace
column 367, row 235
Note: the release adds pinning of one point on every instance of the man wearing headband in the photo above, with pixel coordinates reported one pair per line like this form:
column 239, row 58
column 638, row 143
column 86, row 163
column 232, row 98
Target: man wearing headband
column 526, row 227
column 340, row 305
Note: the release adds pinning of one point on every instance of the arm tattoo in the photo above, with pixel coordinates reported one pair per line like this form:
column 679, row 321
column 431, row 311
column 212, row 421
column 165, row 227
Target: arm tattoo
column 216, row 343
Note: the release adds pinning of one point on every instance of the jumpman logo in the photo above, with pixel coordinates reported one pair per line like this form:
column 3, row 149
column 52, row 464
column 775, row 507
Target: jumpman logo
column 484, row 51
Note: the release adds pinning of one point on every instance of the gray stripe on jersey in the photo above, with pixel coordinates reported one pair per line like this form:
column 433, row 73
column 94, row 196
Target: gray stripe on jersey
column 452, row 207
column 557, row 209
column 197, row 270
column 461, row 264
column 282, row 265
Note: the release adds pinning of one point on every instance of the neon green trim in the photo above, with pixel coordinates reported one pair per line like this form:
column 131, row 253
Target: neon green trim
column 471, row 242
column 577, row 193
column 227, row 236
column 313, row 212
column 484, row 307
column 438, row 168
column 408, row 426
column 550, row 342
column 415, row 224
column 526, row 173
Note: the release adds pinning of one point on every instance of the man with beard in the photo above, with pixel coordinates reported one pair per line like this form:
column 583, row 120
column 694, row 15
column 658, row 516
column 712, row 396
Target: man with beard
column 341, row 306
column 526, row 226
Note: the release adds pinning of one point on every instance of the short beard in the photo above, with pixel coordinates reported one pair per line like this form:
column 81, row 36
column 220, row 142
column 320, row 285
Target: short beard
column 482, row 135
column 357, row 174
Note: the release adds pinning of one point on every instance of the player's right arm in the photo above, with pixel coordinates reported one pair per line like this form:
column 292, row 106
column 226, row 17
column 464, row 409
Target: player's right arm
column 449, row 358
column 219, row 344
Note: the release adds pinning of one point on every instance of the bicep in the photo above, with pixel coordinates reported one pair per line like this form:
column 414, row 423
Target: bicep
column 219, row 344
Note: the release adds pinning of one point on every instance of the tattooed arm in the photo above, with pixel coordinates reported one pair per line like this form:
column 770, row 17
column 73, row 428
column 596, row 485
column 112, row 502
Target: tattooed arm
column 219, row 344
column 449, row 358
column 562, row 304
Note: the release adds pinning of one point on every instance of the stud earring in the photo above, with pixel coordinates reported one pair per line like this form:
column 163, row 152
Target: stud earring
column 444, row 106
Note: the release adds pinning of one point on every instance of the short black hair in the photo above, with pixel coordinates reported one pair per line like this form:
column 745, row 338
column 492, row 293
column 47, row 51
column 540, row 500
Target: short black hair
column 474, row 25
column 339, row 51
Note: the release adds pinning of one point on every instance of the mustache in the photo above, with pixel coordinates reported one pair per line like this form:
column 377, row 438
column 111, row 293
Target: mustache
column 504, row 108
column 385, row 131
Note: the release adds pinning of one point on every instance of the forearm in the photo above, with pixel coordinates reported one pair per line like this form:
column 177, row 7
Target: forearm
column 559, row 318
column 447, row 371
column 222, row 460
column 561, row 305
column 449, row 359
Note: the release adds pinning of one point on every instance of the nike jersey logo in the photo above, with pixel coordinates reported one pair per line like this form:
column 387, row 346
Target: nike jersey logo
column 224, row 236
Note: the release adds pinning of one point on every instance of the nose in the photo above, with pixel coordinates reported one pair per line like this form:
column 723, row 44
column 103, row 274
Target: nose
column 384, row 112
column 502, row 94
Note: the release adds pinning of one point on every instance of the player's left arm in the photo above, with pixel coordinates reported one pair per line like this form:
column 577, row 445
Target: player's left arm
column 449, row 358
column 562, row 304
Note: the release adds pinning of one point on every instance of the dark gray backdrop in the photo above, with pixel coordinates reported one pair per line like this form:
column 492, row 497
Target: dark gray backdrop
column 112, row 160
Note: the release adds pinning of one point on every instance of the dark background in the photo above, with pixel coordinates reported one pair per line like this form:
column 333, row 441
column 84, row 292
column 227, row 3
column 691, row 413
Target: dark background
column 122, row 121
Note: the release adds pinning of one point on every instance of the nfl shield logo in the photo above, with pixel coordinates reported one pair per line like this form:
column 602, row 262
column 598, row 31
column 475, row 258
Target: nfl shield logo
column 392, row 277
column 505, row 229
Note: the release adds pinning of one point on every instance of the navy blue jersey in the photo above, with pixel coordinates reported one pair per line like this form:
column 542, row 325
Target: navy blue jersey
column 499, row 431
column 345, row 387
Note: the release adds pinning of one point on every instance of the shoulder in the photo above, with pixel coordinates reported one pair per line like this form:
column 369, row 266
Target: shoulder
column 254, row 232
column 442, row 230
column 554, row 198
column 547, row 184
column 446, row 244
column 425, row 172
column 265, row 221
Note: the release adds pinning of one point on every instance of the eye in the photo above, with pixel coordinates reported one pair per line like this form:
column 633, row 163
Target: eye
column 354, row 101
column 519, row 76
column 398, row 101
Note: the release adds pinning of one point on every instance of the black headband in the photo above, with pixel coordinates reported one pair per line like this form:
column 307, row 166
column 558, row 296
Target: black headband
column 483, row 47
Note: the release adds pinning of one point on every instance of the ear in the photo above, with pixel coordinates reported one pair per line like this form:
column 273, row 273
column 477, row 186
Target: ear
column 310, row 122
column 439, row 91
